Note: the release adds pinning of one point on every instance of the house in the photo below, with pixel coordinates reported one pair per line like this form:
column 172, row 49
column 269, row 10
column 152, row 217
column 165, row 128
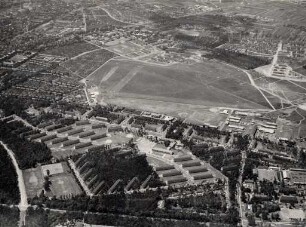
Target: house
column 1, row 113
column 103, row 119
column 260, row 197
column 115, row 128
column 266, row 130
column 133, row 184
column 225, row 111
column 136, row 126
column 161, row 149
column 288, row 199
column 249, row 184
column 287, row 214
column 238, row 127
column 115, row 186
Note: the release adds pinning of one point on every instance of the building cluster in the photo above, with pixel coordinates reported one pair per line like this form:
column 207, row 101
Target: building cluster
column 127, row 33
column 24, row 17
column 259, row 127
column 255, row 44
column 64, row 27
column 49, row 87
column 15, row 59
column 183, row 169
column 295, row 49
column 34, row 77
column 147, row 42
column 172, row 56
column 276, row 194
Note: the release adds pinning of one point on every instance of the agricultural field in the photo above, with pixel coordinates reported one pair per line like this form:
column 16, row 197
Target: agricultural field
column 71, row 50
column 63, row 182
column 205, row 84
column 83, row 65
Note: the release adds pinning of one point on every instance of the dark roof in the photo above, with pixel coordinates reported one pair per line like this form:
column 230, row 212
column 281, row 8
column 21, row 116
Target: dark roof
column 288, row 199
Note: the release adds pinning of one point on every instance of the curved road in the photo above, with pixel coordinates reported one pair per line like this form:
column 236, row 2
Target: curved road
column 23, row 205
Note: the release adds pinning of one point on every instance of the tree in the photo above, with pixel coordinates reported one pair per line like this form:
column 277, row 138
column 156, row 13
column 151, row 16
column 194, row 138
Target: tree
column 232, row 216
column 47, row 183
column 251, row 220
column 265, row 215
column 167, row 143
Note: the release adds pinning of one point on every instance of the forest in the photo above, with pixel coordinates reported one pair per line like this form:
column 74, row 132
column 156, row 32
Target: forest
column 238, row 59
column 108, row 167
column 28, row 153
column 39, row 217
column 9, row 192
column 9, row 217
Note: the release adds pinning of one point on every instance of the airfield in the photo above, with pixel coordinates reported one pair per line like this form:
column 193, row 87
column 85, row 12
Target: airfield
column 205, row 84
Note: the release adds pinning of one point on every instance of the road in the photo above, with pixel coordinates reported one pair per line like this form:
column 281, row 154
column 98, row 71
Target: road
column 80, row 179
column 224, row 122
column 84, row 53
column 275, row 58
column 84, row 20
column 86, row 93
column 23, row 205
column 24, row 122
column 244, row 222
column 252, row 83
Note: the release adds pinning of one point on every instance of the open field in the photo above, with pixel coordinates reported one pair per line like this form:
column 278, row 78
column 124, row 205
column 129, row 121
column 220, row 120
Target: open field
column 275, row 101
column 210, row 117
column 205, row 84
column 33, row 179
column 128, row 49
column 63, row 183
column 301, row 84
column 301, row 70
column 115, row 139
column 288, row 91
column 87, row 63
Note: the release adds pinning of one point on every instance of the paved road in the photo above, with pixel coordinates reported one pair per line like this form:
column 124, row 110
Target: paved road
column 23, row 205
column 244, row 222
column 77, row 174
column 275, row 58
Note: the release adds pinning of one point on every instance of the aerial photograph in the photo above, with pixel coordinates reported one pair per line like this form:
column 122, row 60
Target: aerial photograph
column 152, row 113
